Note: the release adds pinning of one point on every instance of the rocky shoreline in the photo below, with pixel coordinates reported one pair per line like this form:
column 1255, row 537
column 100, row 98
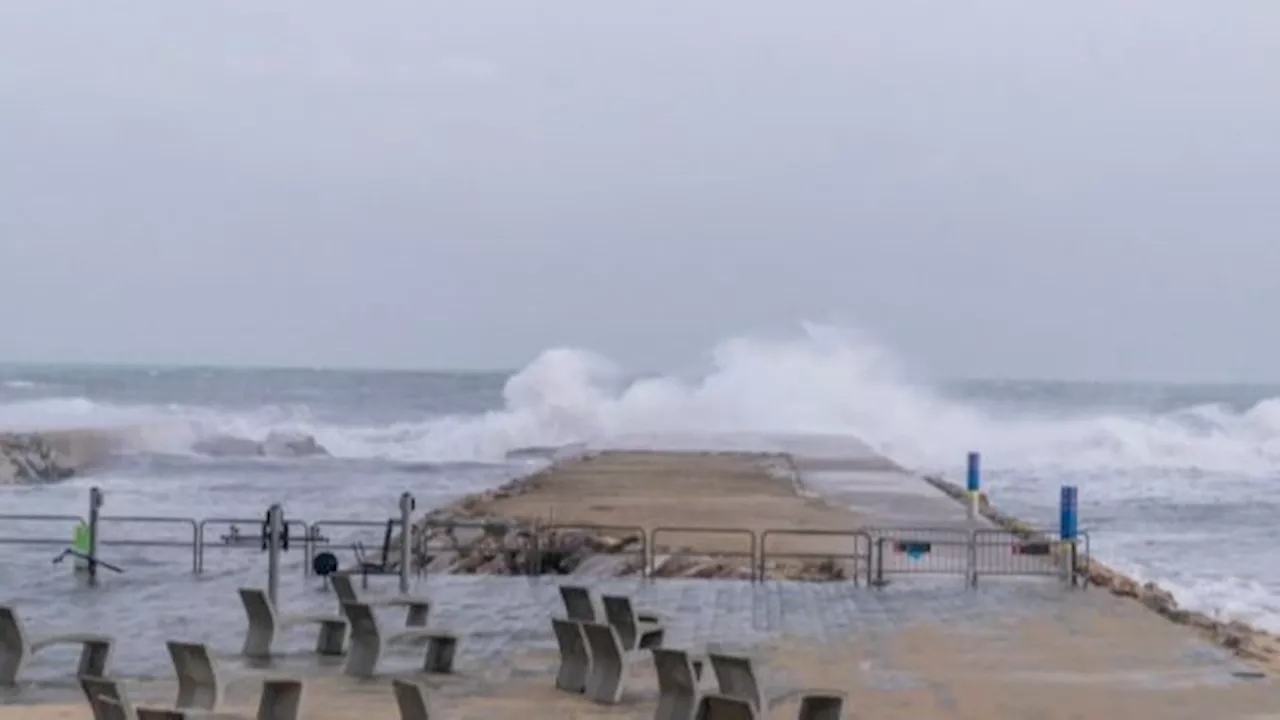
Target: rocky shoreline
column 1238, row 637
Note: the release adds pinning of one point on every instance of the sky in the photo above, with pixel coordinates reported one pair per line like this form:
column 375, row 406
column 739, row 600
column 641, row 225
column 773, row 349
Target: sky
column 993, row 188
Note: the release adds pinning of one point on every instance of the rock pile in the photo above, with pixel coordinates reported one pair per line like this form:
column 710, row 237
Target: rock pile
column 31, row 458
column 1240, row 638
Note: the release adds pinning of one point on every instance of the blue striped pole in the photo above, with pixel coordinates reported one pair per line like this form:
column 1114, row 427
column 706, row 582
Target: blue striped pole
column 973, row 484
column 1068, row 513
column 1068, row 530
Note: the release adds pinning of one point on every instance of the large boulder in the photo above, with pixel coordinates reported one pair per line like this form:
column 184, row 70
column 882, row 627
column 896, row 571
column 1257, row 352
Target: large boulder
column 291, row 444
column 31, row 457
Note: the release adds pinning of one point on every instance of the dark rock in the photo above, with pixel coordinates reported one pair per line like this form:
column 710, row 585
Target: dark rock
column 277, row 444
column 291, row 444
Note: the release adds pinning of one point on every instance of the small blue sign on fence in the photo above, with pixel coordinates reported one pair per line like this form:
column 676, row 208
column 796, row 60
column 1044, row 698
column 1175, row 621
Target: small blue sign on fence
column 913, row 549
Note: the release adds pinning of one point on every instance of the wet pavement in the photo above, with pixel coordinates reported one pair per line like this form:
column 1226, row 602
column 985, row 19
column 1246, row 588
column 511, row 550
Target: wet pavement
column 500, row 618
column 923, row 634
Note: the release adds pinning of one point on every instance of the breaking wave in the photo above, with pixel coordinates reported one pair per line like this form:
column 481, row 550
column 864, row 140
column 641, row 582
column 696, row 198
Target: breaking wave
column 825, row 381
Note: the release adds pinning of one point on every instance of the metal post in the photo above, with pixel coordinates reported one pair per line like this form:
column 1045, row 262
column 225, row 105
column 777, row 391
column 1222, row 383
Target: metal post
column 406, row 539
column 1068, row 530
column 95, row 508
column 879, row 562
column 274, row 527
column 971, row 561
column 973, row 484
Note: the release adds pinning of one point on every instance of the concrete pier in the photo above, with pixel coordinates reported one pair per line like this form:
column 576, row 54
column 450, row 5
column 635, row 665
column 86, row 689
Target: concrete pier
column 910, row 650
column 801, row 508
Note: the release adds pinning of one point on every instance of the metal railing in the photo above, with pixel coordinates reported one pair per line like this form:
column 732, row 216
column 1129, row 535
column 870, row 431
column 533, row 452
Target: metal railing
column 1002, row 553
column 317, row 540
column 433, row 548
column 68, row 521
column 234, row 539
column 749, row 554
column 875, row 554
column 859, row 556
column 190, row 529
column 921, row 551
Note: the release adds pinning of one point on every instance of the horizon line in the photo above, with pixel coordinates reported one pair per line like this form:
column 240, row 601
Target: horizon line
column 405, row 369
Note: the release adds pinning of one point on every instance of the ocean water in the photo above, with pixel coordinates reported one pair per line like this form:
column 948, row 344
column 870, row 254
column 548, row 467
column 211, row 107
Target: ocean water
column 1176, row 481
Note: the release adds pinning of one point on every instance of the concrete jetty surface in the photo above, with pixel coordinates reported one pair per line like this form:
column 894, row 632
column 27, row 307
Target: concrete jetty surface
column 766, row 514
column 1031, row 648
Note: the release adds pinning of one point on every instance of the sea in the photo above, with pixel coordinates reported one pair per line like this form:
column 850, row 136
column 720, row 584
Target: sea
column 1175, row 481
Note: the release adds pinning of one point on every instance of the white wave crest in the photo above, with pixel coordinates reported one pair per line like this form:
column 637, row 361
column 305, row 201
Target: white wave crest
column 825, row 381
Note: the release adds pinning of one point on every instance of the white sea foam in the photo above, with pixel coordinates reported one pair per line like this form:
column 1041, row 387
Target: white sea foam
column 826, row 381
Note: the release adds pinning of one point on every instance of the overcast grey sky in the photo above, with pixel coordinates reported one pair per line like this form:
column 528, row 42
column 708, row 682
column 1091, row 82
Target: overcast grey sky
column 993, row 187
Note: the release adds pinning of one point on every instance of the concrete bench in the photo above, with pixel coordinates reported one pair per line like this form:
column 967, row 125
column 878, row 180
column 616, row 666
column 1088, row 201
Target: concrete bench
column 16, row 648
column 610, row 662
column 716, row 706
column 580, row 605
column 367, row 644
column 575, row 659
column 281, row 700
column 635, row 632
column 678, row 679
column 416, row 608
column 821, row 706
column 737, row 678
column 98, row 689
column 411, row 699
column 199, row 687
column 265, row 622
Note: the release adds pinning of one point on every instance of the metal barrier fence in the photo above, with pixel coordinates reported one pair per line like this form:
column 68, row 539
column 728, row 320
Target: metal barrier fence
column 233, row 539
column 67, row 522
column 187, row 538
column 494, row 534
column 859, row 555
column 318, row 541
column 921, row 551
column 875, row 554
column 749, row 554
column 1000, row 553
